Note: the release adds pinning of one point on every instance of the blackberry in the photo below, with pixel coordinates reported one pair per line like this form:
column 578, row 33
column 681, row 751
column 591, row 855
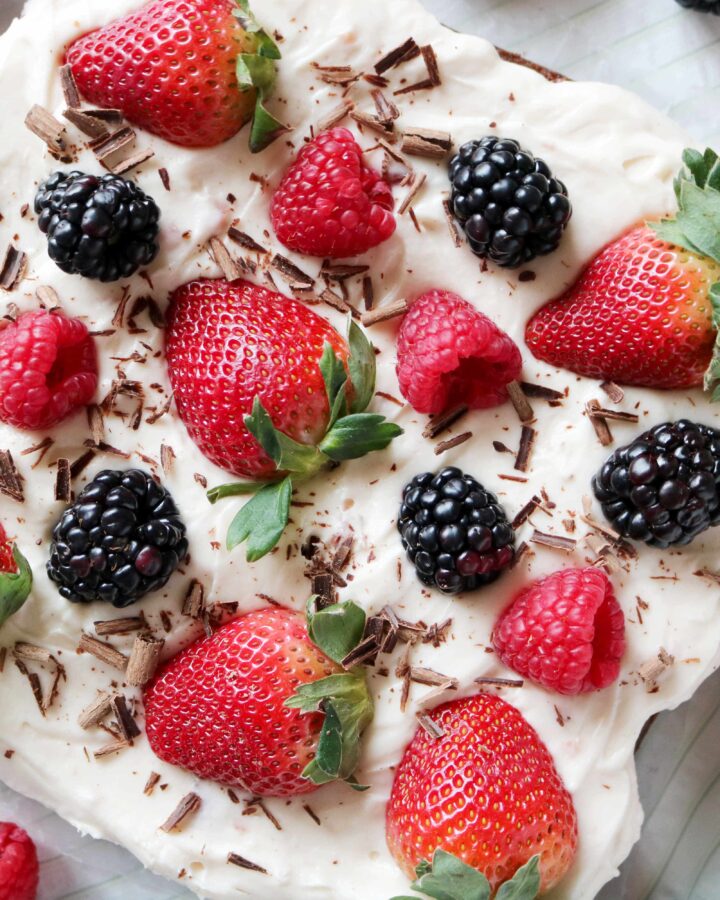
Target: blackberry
column 455, row 532
column 121, row 539
column 706, row 6
column 100, row 227
column 509, row 204
column 664, row 487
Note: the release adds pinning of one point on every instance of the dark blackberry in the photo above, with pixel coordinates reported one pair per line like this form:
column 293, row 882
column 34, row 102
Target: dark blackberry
column 509, row 204
column 455, row 532
column 664, row 487
column 121, row 539
column 99, row 227
column 706, row 6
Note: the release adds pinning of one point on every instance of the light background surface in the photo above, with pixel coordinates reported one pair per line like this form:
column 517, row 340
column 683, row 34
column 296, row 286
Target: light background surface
column 672, row 58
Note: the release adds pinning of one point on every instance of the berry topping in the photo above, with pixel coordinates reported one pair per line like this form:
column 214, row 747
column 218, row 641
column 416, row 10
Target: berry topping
column 19, row 870
column 450, row 354
column 664, row 487
column 120, row 540
column 7, row 561
column 101, row 227
column 485, row 791
column 330, row 203
column 48, row 369
column 15, row 578
column 190, row 72
column 509, row 204
column 565, row 631
column 455, row 532
column 258, row 686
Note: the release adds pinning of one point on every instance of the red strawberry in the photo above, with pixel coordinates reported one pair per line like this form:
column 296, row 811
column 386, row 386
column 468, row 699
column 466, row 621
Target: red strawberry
column 236, row 686
column 486, row 791
column 19, row 870
column 646, row 310
column 330, row 203
column 268, row 388
column 172, row 68
column 48, row 369
column 450, row 354
column 565, row 631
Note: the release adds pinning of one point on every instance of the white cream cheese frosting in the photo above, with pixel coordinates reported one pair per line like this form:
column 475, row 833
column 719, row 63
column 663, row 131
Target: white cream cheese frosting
column 618, row 157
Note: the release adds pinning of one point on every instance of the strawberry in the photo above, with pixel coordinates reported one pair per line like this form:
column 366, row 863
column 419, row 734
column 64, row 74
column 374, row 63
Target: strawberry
column 645, row 312
column 270, row 391
column 190, row 71
column 485, row 791
column 284, row 715
column 15, row 578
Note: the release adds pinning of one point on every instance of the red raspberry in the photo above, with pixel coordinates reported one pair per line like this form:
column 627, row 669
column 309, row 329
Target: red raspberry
column 7, row 563
column 19, row 871
column 565, row 631
column 450, row 354
column 330, row 203
column 48, row 368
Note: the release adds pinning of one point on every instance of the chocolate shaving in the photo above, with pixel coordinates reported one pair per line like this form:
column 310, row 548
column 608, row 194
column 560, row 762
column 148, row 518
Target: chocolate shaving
column 125, row 719
column 375, row 124
column 114, row 116
column 194, row 602
column 236, row 860
column 342, row 554
column 614, row 391
column 425, row 143
column 35, row 685
column 499, row 682
column 167, row 455
column 443, row 446
column 384, row 313
column 651, row 670
column 336, row 302
column 124, row 625
column 435, row 730
column 229, row 266
column 151, row 783
column 89, row 125
column 415, row 188
column 13, row 268
column 255, row 803
column 96, row 711
column 527, row 440
column 31, row 652
column 10, row 480
column 437, row 424
column 520, row 402
column 42, row 448
column 554, row 541
column 165, row 178
column 62, row 480
column 104, row 652
column 612, row 414
column 431, row 64
column 311, row 812
column 602, row 429
column 104, row 447
column 323, row 587
column 109, row 144
column 368, row 292
column 452, row 225
column 186, row 808
column 111, row 748
column 289, row 270
column 47, row 296
column 540, row 392
column 244, row 239
column 405, row 52
column 159, row 413
column 48, row 129
column 387, row 111
column 144, row 659
column 81, row 463
column 526, row 512
column 335, row 115
column 364, row 654
column 421, row 675
column 69, row 87
column 133, row 161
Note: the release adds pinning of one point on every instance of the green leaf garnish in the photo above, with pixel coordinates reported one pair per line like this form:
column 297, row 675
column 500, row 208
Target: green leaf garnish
column 256, row 71
column 335, row 378
column 696, row 228
column 287, row 454
column 358, row 434
column 15, row 587
column 361, row 364
column 234, row 489
column 449, row 878
column 337, row 629
column 262, row 520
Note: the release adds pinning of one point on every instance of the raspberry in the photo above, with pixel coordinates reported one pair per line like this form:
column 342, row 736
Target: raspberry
column 565, row 631
column 450, row 354
column 19, row 871
column 330, row 203
column 7, row 563
column 48, row 368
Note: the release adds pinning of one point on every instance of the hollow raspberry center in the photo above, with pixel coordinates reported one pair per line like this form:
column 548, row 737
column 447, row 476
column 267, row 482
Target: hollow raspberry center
column 475, row 382
column 607, row 644
column 69, row 361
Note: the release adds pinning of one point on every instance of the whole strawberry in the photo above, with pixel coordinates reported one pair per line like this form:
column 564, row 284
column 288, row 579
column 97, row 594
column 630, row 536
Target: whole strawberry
column 330, row 203
column 642, row 313
column 272, row 700
column 565, row 631
column 19, row 870
column 48, row 369
column 485, row 791
column 270, row 391
column 190, row 71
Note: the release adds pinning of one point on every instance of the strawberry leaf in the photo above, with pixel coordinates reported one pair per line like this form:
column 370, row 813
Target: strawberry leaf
column 361, row 364
column 337, row 629
column 234, row 489
column 262, row 520
column 287, row 454
column 358, row 434
column 525, row 883
column 15, row 587
column 670, row 231
column 265, row 44
column 712, row 376
column 335, row 378
column 699, row 218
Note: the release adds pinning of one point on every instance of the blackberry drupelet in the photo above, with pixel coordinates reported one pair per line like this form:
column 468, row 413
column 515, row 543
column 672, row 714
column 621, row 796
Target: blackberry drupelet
column 707, row 6
column 454, row 531
column 120, row 540
column 103, row 228
column 509, row 204
column 664, row 487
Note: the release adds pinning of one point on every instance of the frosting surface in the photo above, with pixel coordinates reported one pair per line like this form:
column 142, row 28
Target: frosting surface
column 617, row 157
